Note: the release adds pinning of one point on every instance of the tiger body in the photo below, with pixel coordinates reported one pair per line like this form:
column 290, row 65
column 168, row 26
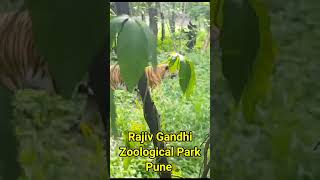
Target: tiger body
column 154, row 76
column 21, row 66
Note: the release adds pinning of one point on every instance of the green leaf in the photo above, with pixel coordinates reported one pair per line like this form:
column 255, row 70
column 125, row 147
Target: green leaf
column 126, row 162
column 239, row 43
column 9, row 165
column 115, row 26
column 192, row 81
column 217, row 13
column 69, row 34
column 260, row 81
column 187, row 77
column 174, row 65
column 174, row 62
column 132, row 53
column 152, row 43
column 247, row 52
column 184, row 76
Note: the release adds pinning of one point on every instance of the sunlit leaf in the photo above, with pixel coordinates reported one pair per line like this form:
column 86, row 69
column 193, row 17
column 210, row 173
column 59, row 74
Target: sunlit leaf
column 126, row 162
column 192, row 81
column 174, row 61
column 187, row 77
column 184, row 76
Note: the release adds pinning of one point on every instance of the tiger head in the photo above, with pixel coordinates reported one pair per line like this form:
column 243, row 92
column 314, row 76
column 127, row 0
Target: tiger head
column 167, row 73
column 155, row 76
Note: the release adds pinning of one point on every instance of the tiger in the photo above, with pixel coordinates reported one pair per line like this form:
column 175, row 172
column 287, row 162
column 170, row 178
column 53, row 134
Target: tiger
column 21, row 66
column 154, row 76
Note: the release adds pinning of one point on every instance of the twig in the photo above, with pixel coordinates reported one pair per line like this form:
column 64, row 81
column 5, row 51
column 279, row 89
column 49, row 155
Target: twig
column 205, row 160
column 206, row 170
column 205, row 139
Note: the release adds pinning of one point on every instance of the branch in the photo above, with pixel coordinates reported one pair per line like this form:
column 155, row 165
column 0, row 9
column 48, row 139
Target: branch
column 152, row 117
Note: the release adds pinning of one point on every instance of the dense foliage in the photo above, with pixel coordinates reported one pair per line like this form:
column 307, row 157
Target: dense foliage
column 177, row 114
column 48, row 147
column 281, row 144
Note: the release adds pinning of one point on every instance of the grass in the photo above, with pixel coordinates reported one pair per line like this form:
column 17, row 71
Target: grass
column 47, row 148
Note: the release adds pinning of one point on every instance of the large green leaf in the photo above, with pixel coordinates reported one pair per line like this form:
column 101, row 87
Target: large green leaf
column 217, row 13
column 247, row 52
column 260, row 80
column 68, row 34
column 239, row 43
column 9, row 165
column 132, row 52
column 184, row 75
column 115, row 26
column 152, row 43
column 187, row 77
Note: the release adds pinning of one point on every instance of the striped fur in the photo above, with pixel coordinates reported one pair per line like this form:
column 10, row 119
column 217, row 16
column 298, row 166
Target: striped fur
column 154, row 76
column 21, row 66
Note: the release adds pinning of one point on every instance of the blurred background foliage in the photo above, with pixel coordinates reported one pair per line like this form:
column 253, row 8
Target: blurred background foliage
column 48, row 147
column 281, row 145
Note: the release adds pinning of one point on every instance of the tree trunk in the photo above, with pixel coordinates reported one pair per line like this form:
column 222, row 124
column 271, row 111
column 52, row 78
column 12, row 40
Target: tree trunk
column 172, row 20
column 153, row 20
column 163, row 31
column 122, row 8
column 214, row 36
column 143, row 17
